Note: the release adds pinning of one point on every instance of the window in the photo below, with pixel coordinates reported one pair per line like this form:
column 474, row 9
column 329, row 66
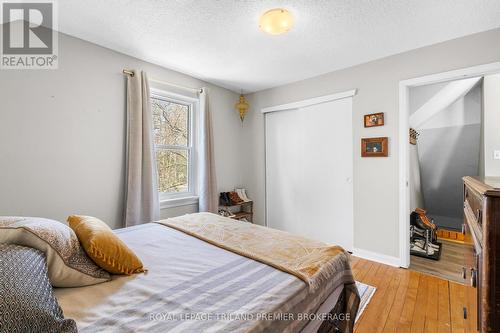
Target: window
column 173, row 124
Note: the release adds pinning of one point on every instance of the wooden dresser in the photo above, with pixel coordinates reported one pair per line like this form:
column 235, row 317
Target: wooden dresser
column 482, row 268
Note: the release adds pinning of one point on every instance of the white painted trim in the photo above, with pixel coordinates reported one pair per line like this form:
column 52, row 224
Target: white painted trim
column 457, row 74
column 404, row 162
column 178, row 202
column 404, row 172
column 266, row 197
column 168, row 94
column 373, row 256
column 310, row 101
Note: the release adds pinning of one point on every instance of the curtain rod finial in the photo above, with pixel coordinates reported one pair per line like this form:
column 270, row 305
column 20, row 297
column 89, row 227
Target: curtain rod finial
column 128, row 72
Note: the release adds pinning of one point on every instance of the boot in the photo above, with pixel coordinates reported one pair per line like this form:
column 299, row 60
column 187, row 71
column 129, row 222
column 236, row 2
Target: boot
column 235, row 199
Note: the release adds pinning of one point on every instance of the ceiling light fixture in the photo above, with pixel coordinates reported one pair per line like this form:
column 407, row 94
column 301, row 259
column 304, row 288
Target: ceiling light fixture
column 276, row 21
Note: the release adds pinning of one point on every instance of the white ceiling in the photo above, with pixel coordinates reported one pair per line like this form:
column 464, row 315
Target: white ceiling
column 219, row 40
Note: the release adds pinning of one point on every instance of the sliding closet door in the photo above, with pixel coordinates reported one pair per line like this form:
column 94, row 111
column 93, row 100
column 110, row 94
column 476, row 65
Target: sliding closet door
column 309, row 169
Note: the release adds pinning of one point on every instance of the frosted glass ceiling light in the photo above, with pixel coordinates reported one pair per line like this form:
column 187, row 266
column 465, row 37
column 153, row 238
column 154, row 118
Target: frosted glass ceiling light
column 276, row 21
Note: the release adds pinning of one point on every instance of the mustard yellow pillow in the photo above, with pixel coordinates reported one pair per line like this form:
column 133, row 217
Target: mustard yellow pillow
column 103, row 246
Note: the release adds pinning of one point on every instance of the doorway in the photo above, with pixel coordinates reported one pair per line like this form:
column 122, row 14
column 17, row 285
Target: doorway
column 445, row 122
column 446, row 130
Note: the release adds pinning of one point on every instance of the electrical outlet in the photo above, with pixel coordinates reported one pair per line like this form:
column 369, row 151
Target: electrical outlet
column 496, row 155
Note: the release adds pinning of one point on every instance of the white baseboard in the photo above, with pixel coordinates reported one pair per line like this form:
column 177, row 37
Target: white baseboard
column 373, row 256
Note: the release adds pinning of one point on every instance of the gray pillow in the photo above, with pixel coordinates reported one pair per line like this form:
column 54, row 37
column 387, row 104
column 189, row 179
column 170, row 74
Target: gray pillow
column 27, row 303
column 68, row 264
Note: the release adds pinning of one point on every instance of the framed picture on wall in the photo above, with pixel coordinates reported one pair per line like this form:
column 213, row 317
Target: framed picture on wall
column 374, row 119
column 375, row 147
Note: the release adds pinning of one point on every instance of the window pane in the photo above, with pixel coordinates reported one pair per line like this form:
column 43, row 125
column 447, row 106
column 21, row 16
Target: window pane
column 173, row 169
column 170, row 123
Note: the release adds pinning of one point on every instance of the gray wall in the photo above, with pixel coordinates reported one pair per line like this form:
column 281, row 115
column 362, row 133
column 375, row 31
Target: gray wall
column 446, row 155
column 421, row 95
column 62, row 134
column 376, row 200
column 448, row 148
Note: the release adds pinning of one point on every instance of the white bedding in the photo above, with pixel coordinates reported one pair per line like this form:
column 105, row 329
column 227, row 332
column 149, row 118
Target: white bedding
column 193, row 286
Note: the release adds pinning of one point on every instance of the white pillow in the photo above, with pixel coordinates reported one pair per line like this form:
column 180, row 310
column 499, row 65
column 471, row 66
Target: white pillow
column 68, row 264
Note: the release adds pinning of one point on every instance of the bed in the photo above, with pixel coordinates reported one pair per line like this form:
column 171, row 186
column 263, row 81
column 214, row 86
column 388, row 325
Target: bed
column 195, row 286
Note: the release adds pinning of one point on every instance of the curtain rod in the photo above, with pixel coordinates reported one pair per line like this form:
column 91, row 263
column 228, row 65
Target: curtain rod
column 198, row 90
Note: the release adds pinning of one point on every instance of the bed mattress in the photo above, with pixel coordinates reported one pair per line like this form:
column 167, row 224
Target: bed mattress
column 193, row 286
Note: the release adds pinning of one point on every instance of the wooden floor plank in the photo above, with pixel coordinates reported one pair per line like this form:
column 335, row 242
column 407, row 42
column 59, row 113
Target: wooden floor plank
column 410, row 301
column 374, row 322
column 371, row 274
column 361, row 268
column 396, row 309
column 371, row 279
column 385, row 306
column 430, row 325
column 457, row 302
column 418, row 320
column 444, row 325
column 406, row 318
column 431, row 311
column 471, row 303
column 432, row 298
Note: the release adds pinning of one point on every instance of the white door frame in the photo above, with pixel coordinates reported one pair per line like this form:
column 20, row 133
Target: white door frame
column 404, row 156
column 310, row 101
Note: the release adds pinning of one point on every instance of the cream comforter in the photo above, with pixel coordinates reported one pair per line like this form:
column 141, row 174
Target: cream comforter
column 309, row 260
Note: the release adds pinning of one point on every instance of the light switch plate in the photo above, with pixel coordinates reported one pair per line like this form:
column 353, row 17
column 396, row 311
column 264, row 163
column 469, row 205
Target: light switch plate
column 496, row 155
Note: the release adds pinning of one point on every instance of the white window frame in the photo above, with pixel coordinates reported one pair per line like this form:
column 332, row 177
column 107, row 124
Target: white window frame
column 190, row 197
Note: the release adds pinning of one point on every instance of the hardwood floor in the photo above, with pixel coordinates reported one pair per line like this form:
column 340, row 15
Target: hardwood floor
column 449, row 266
column 410, row 301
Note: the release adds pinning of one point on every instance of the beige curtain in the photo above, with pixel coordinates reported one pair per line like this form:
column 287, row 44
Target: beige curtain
column 208, row 196
column 141, row 192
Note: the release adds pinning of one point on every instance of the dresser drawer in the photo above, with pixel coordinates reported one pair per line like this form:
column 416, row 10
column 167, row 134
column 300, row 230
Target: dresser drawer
column 474, row 201
column 473, row 233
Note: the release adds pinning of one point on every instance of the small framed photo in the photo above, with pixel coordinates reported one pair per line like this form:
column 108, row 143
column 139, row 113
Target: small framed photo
column 374, row 119
column 375, row 147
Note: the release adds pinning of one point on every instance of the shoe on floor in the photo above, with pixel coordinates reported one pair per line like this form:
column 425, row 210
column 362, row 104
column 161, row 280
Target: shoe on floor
column 235, row 199
column 242, row 194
